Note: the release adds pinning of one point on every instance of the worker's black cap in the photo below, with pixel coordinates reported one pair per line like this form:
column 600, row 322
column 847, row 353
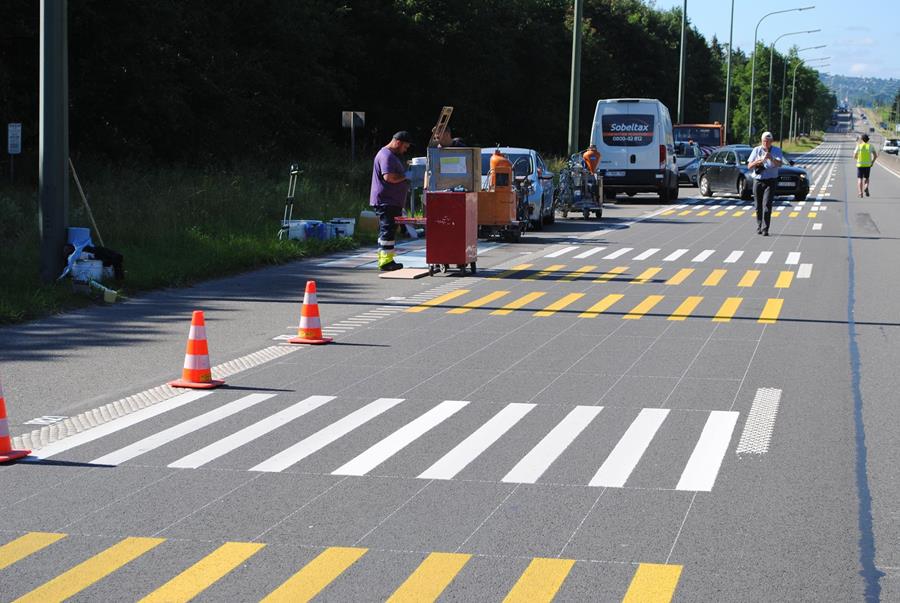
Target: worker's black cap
column 403, row 136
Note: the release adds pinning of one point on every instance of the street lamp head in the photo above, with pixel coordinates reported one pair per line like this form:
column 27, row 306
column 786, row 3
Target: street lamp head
column 814, row 31
column 806, row 8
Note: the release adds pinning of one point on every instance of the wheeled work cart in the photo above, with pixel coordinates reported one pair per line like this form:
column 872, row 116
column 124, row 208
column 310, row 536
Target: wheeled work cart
column 451, row 227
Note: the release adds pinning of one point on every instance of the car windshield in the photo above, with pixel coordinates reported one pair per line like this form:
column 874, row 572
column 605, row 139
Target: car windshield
column 521, row 163
column 684, row 150
column 893, row 142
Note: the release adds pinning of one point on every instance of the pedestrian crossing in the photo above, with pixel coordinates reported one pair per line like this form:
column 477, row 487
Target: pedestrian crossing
column 450, row 455
column 631, row 254
column 270, row 572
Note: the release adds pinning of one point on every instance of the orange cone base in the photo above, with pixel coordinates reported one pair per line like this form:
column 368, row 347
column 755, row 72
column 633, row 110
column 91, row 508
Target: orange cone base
column 310, row 341
column 196, row 384
column 11, row 455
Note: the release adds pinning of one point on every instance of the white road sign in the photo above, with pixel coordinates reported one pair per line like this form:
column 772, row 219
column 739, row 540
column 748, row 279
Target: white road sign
column 14, row 139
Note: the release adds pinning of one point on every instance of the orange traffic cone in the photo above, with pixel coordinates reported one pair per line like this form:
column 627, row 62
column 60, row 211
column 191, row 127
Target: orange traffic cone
column 196, row 373
column 310, row 329
column 6, row 451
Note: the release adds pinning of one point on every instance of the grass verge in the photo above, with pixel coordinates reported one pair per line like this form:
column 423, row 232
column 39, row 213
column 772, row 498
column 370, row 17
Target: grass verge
column 802, row 145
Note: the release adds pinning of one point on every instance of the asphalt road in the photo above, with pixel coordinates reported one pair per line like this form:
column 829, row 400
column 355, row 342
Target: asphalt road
column 662, row 405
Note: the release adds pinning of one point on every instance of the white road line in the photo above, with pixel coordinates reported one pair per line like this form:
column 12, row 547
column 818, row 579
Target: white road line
column 560, row 252
column 533, row 465
column 182, row 429
column 646, row 254
column 733, row 257
column 116, row 425
column 400, row 439
column 817, row 226
column 763, row 257
column 589, row 253
column 624, row 458
column 760, row 422
column 702, row 468
column 675, row 255
column 701, row 257
column 250, row 433
column 325, row 436
column 793, row 258
column 805, row 271
column 480, row 440
column 731, row 207
column 618, row 253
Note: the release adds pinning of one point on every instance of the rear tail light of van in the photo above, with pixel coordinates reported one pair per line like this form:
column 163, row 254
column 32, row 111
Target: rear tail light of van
column 662, row 156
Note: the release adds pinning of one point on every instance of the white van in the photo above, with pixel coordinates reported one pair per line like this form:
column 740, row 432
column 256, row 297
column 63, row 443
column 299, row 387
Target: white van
column 637, row 147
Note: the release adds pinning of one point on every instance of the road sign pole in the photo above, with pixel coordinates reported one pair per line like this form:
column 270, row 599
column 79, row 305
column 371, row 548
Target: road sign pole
column 575, row 84
column 353, row 137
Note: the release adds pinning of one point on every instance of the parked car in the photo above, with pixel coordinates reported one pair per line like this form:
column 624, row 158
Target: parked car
column 527, row 163
column 688, row 157
column 891, row 145
column 725, row 171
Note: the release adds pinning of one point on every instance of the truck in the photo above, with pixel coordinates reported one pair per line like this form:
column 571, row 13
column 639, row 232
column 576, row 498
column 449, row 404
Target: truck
column 708, row 136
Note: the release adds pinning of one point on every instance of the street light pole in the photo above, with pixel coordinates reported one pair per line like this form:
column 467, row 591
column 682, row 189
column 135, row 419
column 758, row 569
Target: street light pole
column 681, row 67
column 771, row 59
column 728, row 72
column 575, row 88
column 794, row 90
column 753, row 62
column 784, row 91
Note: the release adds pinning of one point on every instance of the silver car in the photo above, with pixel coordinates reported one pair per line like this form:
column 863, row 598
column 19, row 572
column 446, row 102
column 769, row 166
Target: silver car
column 688, row 157
column 529, row 164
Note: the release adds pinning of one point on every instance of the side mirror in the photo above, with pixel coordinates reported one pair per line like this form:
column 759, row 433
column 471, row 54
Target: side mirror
column 791, row 162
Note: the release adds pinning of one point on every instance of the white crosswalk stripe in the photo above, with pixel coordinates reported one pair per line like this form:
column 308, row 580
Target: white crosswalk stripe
column 624, row 458
column 618, row 253
column 675, row 255
column 703, row 255
column 589, row 253
column 560, row 252
column 645, row 254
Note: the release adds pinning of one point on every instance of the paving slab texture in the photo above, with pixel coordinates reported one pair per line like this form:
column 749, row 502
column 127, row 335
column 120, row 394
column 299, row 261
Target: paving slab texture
column 454, row 447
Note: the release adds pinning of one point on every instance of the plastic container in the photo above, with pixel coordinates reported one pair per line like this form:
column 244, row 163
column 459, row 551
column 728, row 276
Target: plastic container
column 296, row 229
column 315, row 229
column 84, row 270
column 79, row 236
column 368, row 221
column 343, row 227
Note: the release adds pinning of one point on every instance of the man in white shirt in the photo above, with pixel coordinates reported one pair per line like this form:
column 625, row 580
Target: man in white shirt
column 763, row 164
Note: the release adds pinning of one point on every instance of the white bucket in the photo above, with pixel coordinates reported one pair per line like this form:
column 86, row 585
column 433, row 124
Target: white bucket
column 296, row 229
column 343, row 227
column 84, row 270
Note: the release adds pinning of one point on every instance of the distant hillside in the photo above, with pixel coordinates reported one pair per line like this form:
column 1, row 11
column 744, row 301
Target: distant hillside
column 861, row 91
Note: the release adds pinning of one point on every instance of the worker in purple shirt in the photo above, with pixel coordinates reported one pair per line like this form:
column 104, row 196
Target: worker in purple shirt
column 388, row 195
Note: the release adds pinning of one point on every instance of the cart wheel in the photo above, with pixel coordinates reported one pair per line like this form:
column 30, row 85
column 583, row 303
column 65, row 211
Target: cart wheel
column 445, row 268
column 430, row 269
column 462, row 269
column 472, row 267
column 585, row 213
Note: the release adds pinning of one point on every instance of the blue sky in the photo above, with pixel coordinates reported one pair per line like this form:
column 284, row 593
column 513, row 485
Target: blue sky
column 862, row 37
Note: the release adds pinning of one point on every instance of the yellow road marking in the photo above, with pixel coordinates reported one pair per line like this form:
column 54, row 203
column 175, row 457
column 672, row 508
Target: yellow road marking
column 680, row 276
column 203, row 574
column 714, row 277
column 26, row 545
column 775, row 214
column 738, row 214
column 510, row 272
column 793, row 214
column 559, row 304
column 545, row 272
column 668, row 212
column 703, row 213
column 540, row 580
column 430, row 578
column 481, row 301
column 642, row 308
column 685, row 212
column 784, row 279
column 518, row 303
column 749, row 278
column 315, row 575
column 771, row 311
column 653, row 583
column 645, row 276
column 573, row 276
column 72, row 582
column 601, row 306
column 727, row 310
column 437, row 301
column 812, row 214
column 719, row 214
column 611, row 274
column 686, row 307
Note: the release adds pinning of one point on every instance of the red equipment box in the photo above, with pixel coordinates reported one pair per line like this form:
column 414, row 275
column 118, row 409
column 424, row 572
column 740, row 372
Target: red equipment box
column 451, row 229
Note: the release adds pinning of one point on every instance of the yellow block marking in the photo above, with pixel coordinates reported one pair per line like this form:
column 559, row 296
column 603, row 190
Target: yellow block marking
column 430, row 578
column 719, row 214
column 714, row 277
column 611, row 274
column 574, row 276
column 793, row 214
column 749, row 278
column 26, row 545
column 668, row 212
column 642, row 308
column 545, row 272
column 203, row 574
column 728, row 309
column 784, row 279
column 653, row 583
column 601, row 306
column 481, row 301
column 540, row 580
column 685, row 212
column 680, row 276
column 518, row 303
column 703, row 213
column 645, row 276
column 559, row 304
column 686, row 307
column 775, row 214
column 437, row 301
column 771, row 311
column 510, row 272
column 72, row 582
column 315, row 575
column 812, row 214
column 738, row 214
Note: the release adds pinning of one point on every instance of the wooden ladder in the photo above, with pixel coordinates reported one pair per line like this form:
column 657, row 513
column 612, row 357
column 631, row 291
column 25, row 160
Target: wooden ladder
column 438, row 129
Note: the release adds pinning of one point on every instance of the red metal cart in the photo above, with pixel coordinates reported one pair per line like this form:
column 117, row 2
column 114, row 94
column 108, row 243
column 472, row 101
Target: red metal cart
column 451, row 231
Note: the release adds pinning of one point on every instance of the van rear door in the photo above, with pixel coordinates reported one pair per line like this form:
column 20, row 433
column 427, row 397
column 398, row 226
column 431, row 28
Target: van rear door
column 628, row 130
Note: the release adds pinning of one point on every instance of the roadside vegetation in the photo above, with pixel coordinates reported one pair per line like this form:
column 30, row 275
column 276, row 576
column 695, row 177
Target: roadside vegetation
column 803, row 144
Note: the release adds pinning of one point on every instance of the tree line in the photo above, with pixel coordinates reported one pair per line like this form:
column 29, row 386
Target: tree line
column 219, row 81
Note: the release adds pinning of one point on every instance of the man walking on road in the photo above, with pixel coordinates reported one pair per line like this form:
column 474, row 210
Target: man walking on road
column 865, row 157
column 388, row 195
column 763, row 163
